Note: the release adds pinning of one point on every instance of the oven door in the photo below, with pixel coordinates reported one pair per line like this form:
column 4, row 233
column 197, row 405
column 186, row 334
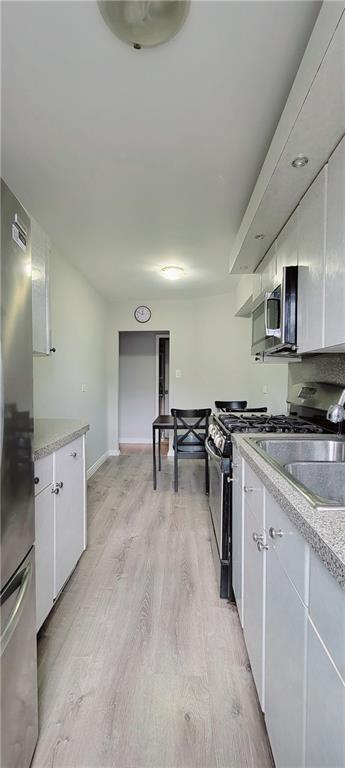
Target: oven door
column 219, row 469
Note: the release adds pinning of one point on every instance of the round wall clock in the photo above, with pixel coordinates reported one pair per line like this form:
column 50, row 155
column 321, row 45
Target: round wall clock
column 142, row 314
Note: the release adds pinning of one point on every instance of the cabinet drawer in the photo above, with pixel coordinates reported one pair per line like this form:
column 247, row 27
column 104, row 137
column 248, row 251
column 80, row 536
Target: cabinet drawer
column 43, row 473
column 327, row 611
column 254, row 494
column 291, row 548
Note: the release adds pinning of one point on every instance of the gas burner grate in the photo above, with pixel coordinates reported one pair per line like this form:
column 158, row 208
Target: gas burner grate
column 279, row 423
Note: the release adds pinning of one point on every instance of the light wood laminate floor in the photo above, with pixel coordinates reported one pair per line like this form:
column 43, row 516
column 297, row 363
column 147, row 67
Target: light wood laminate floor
column 141, row 665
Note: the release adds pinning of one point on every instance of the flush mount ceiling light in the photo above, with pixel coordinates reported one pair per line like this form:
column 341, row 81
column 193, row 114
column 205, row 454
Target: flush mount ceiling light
column 172, row 273
column 144, row 23
column 300, row 161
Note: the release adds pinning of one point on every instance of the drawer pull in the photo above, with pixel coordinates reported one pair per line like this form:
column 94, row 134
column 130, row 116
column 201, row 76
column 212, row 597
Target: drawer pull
column 73, row 454
column 275, row 534
column 261, row 546
column 55, row 490
column 59, row 485
column 257, row 537
column 36, row 480
column 248, row 489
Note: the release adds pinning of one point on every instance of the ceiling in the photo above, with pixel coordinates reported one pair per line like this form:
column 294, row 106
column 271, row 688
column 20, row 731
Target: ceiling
column 133, row 160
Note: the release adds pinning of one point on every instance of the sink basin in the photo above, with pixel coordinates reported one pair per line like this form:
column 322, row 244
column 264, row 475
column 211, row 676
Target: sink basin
column 287, row 451
column 325, row 479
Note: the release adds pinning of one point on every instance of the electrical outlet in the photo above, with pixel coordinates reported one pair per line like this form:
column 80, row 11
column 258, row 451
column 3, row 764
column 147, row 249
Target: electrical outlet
column 178, row 373
column 265, row 389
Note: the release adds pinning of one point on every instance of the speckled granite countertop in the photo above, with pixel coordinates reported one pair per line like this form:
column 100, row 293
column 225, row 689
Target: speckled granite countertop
column 51, row 434
column 323, row 530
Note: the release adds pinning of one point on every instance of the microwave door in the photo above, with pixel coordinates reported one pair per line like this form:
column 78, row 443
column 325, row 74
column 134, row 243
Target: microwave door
column 272, row 316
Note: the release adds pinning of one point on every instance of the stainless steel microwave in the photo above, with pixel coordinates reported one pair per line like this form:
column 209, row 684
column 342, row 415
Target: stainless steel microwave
column 274, row 320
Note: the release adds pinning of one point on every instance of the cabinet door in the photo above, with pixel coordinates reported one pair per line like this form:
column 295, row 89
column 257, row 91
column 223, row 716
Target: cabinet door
column 40, row 250
column 237, row 532
column 311, row 261
column 335, row 250
column 69, row 510
column 325, row 735
column 253, row 602
column 287, row 245
column 44, row 554
column 268, row 269
column 285, row 661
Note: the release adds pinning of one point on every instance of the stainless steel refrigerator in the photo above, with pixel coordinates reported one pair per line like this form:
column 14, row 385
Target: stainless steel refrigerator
column 18, row 608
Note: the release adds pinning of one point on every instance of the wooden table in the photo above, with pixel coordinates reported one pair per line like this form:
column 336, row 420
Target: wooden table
column 160, row 424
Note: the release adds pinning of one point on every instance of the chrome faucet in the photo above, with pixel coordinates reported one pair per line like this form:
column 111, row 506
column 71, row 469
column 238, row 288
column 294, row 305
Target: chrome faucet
column 336, row 412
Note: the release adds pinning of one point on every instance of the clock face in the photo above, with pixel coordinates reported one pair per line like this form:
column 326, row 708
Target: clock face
column 142, row 314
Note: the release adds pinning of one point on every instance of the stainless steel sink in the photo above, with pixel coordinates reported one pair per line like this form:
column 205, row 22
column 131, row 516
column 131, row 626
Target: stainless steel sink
column 287, row 451
column 325, row 479
column 315, row 466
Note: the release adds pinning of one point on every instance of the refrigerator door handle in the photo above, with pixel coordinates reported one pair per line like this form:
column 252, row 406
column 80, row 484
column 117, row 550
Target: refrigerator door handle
column 2, row 406
column 21, row 581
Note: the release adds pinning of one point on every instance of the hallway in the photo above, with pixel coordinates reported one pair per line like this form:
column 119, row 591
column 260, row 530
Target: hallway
column 141, row 665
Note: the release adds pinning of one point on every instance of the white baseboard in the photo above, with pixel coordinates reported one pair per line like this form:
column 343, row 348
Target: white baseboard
column 94, row 467
column 135, row 440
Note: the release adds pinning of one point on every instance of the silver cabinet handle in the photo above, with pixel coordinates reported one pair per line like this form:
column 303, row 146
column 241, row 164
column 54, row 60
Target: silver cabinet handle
column 59, row 485
column 275, row 534
column 55, row 490
column 261, row 546
column 257, row 537
column 247, row 489
column 73, row 454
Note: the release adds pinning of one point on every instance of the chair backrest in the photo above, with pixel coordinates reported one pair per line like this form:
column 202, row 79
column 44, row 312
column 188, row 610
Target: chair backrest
column 231, row 405
column 195, row 423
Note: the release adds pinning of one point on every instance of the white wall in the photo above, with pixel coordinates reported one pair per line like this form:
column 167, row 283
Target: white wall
column 209, row 345
column 79, row 322
column 137, row 386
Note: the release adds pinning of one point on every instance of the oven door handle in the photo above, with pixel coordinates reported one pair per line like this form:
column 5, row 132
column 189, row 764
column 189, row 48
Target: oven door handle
column 211, row 452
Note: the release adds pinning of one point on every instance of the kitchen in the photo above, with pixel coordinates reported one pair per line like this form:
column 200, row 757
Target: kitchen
column 143, row 658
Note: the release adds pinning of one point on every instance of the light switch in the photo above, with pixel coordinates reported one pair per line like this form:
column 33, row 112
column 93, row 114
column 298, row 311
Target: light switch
column 83, row 388
column 265, row 389
column 178, row 373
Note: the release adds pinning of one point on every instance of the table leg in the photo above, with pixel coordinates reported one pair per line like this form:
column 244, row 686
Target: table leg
column 154, row 458
column 159, row 451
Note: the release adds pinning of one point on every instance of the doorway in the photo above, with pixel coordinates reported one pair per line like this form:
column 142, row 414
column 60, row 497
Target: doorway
column 162, row 373
column 143, row 385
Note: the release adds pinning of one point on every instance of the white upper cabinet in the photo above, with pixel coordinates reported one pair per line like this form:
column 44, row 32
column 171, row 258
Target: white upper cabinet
column 287, row 245
column 268, row 269
column 335, row 250
column 311, row 261
column 40, row 252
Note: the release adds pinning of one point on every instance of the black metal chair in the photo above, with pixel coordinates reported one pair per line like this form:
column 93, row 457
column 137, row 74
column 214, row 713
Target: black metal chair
column 231, row 405
column 191, row 443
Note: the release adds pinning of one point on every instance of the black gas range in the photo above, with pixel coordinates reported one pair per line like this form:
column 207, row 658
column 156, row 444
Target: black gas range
column 308, row 405
column 225, row 424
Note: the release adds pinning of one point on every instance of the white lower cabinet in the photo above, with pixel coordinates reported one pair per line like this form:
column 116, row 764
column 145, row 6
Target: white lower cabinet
column 69, row 511
column 44, row 554
column 325, row 741
column 285, row 661
column 254, row 596
column 60, row 522
column 294, row 621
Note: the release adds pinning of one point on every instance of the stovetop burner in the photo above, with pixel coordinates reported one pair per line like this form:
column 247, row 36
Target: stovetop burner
column 266, row 423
